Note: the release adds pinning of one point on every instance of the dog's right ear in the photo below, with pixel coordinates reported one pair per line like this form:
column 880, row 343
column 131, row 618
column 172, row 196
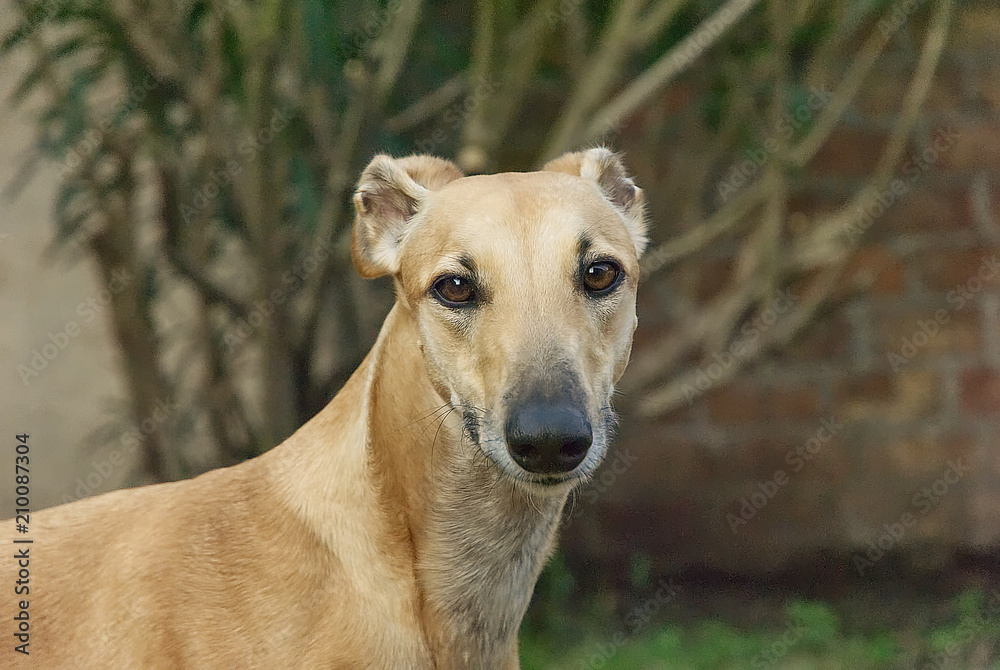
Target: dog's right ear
column 605, row 168
column 389, row 194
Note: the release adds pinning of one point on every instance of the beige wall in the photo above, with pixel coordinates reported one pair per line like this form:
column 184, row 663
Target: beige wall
column 72, row 397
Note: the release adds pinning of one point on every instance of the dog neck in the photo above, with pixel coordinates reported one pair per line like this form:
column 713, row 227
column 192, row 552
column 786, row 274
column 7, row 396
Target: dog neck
column 478, row 542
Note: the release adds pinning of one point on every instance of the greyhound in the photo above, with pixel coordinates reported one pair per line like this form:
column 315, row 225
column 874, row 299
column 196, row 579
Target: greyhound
column 406, row 524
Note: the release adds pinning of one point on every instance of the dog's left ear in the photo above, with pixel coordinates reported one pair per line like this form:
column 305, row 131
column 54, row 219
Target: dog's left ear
column 605, row 167
column 389, row 194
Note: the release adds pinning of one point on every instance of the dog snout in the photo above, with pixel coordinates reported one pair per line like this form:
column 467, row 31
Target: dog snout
column 548, row 438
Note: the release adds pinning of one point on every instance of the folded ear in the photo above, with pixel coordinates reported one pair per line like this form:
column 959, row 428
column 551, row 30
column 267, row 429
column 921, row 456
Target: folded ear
column 604, row 167
column 389, row 194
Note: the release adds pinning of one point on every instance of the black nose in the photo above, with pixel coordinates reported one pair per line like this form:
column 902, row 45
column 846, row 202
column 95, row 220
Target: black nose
column 548, row 439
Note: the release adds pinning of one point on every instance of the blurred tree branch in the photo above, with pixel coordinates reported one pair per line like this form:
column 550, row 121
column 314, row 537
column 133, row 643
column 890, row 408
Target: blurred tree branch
column 258, row 117
column 826, row 245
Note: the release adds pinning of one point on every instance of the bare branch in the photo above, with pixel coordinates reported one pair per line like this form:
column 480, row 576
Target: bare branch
column 661, row 73
column 395, row 45
column 861, row 65
column 523, row 52
column 685, row 387
column 473, row 157
column 428, row 105
column 601, row 72
column 655, row 20
column 725, row 220
column 826, row 247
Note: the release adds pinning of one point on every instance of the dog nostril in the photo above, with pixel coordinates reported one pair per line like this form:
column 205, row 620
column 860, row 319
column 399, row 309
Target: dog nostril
column 525, row 454
column 574, row 451
column 548, row 440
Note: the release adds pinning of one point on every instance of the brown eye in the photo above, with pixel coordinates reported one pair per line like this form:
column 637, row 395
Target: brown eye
column 602, row 276
column 454, row 291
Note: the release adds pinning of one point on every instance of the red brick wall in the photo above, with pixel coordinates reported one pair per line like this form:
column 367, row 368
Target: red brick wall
column 903, row 449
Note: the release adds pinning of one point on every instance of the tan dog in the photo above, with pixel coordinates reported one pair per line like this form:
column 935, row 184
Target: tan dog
column 406, row 524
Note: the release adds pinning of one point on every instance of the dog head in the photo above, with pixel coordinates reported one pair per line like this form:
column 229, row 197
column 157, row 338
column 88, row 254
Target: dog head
column 523, row 289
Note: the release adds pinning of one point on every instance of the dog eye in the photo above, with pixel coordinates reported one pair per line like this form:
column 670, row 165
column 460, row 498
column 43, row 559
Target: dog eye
column 602, row 276
column 454, row 291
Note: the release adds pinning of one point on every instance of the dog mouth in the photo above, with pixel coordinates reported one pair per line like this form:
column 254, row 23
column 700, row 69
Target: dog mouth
column 493, row 444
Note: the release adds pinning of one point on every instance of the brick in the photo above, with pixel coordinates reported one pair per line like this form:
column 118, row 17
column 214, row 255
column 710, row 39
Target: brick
column 849, row 152
column 825, row 340
column 992, row 206
column 981, row 391
column 831, row 466
column 651, row 331
column 743, row 402
column 878, row 265
column 675, row 99
column 977, row 147
column 892, row 471
column 684, row 413
column 688, row 463
column 812, row 204
column 983, row 522
column 758, row 460
column 714, row 276
column 928, row 208
column 985, row 81
column 909, row 395
column 946, row 94
column 664, row 461
column 736, row 403
column 883, row 92
column 802, row 456
column 807, row 506
column 868, row 476
column 856, row 394
column 795, row 403
column 910, row 334
column 922, row 459
column 945, row 269
column 979, row 27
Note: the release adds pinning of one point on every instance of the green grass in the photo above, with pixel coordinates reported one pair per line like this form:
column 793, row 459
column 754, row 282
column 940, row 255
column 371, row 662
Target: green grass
column 963, row 633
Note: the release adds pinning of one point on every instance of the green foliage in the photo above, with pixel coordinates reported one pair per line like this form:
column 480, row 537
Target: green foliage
column 976, row 621
column 640, row 571
column 820, row 624
column 813, row 637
